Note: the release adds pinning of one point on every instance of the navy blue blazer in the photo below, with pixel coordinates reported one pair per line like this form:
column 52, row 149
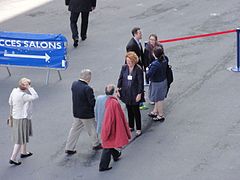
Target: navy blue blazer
column 157, row 70
column 130, row 88
column 83, row 100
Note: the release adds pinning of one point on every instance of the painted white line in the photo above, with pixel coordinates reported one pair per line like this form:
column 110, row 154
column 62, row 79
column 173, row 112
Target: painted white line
column 12, row 8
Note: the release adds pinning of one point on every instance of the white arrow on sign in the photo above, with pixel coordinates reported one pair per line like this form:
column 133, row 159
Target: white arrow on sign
column 46, row 57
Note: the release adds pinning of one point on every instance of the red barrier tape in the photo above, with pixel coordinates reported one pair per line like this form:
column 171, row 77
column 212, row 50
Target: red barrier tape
column 198, row 36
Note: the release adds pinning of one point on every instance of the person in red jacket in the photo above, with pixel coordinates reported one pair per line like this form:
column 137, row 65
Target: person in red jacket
column 115, row 131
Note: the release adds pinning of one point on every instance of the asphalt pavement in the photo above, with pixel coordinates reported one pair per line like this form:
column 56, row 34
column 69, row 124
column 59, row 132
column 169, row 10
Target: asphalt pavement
column 199, row 139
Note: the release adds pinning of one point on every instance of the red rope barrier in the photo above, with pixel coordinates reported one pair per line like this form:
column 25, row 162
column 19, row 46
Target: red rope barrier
column 198, row 36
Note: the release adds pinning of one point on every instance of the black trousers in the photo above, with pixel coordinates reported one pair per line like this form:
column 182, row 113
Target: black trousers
column 84, row 24
column 146, row 78
column 106, row 157
column 134, row 114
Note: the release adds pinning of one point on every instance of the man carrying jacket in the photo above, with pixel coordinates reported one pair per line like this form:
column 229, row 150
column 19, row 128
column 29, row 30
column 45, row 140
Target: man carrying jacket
column 115, row 130
column 76, row 7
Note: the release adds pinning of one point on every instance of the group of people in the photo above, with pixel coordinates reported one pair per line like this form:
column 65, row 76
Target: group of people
column 152, row 62
column 102, row 117
column 112, row 124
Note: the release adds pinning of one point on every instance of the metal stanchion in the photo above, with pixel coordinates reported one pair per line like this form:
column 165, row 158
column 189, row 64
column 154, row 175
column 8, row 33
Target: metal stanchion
column 48, row 76
column 237, row 68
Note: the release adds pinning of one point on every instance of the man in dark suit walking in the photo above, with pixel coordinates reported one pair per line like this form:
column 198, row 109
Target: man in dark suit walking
column 76, row 7
column 83, row 111
column 135, row 45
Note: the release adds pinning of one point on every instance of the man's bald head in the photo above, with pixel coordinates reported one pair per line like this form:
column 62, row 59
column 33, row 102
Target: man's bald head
column 109, row 89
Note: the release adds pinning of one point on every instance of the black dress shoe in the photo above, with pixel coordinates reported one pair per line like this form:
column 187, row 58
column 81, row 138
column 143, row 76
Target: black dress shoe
column 117, row 158
column 26, row 155
column 105, row 169
column 97, row 147
column 70, row 152
column 84, row 38
column 14, row 162
column 75, row 44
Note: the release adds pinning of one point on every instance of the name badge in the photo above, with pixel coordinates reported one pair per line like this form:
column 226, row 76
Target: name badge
column 129, row 77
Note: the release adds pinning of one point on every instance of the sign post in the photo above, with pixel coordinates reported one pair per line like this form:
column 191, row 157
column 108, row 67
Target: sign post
column 9, row 73
column 45, row 51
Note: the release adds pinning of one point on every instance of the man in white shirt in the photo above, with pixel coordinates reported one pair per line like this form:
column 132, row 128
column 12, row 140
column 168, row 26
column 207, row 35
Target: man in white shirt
column 20, row 102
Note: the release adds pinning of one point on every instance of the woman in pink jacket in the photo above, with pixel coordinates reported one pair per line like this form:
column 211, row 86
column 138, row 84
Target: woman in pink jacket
column 115, row 131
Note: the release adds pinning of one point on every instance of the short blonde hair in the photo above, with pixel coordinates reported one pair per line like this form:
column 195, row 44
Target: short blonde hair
column 23, row 81
column 132, row 56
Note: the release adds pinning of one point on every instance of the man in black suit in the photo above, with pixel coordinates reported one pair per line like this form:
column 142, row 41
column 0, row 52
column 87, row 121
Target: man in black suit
column 83, row 111
column 135, row 45
column 76, row 7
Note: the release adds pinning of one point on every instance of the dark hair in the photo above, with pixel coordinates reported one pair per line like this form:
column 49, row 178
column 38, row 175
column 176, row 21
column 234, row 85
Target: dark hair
column 135, row 30
column 158, row 52
column 109, row 90
column 153, row 35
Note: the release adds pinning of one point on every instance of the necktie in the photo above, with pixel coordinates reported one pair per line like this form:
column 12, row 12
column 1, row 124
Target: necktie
column 140, row 45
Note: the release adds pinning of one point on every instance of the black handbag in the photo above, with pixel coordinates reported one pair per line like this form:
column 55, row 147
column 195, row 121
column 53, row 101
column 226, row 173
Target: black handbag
column 10, row 121
column 169, row 75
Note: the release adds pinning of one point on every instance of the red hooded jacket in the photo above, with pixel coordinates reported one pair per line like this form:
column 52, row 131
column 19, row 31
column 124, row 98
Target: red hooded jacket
column 115, row 131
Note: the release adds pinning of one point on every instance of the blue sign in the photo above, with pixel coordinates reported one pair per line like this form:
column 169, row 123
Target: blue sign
column 33, row 50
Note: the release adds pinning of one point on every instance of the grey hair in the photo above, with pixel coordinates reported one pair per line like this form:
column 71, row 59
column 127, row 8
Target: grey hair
column 109, row 89
column 86, row 74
